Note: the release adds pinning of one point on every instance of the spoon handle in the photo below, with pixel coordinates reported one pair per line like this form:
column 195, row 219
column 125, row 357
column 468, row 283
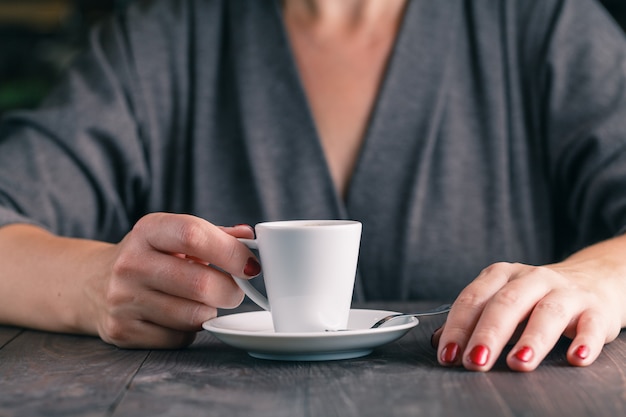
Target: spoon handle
column 437, row 310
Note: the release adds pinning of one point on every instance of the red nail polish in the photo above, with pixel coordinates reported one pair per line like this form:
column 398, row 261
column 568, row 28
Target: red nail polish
column 525, row 354
column 252, row 268
column 450, row 353
column 479, row 355
column 582, row 352
column 432, row 338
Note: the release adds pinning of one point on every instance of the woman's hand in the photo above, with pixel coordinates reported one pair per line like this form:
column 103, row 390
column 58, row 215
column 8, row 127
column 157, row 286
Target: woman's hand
column 580, row 298
column 166, row 277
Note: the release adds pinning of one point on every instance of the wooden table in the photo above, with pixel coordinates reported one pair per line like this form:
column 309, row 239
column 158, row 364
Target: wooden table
column 43, row 374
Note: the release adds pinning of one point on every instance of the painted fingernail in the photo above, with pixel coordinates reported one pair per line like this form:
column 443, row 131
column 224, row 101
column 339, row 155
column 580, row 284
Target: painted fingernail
column 582, row 352
column 450, row 353
column 434, row 342
column 252, row 268
column 479, row 355
column 525, row 354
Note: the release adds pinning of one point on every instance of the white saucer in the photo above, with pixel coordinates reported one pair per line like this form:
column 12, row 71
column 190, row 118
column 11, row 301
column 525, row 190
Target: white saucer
column 254, row 333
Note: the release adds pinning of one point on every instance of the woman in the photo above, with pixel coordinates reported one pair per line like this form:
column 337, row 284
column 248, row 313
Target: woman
column 466, row 136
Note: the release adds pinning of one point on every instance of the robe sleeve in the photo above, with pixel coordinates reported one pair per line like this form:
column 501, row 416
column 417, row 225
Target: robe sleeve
column 582, row 111
column 79, row 164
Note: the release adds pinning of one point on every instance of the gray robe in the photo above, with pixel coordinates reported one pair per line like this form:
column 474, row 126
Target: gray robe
column 499, row 134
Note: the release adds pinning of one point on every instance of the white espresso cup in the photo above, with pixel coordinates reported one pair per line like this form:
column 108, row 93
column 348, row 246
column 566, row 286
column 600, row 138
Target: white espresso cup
column 309, row 267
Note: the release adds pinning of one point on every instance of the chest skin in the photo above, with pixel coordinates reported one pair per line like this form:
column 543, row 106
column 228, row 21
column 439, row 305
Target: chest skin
column 341, row 65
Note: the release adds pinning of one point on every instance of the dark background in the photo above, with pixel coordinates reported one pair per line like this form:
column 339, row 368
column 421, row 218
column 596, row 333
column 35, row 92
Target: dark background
column 38, row 38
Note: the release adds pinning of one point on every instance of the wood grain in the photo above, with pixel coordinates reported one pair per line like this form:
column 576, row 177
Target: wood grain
column 44, row 374
column 7, row 334
column 400, row 379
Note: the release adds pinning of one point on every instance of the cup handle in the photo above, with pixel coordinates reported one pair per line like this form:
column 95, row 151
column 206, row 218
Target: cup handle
column 245, row 285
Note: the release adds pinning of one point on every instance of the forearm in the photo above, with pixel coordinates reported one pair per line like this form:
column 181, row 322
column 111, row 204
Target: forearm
column 47, row 282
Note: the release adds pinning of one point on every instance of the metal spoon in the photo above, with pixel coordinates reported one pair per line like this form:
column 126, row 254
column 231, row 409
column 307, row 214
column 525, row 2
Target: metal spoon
column 444, row 308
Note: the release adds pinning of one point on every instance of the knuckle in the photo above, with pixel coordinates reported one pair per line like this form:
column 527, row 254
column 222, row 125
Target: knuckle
column 489, row 332
column 507, row 297
column 115, row 332
column 456, row 331
column 122, row 265
column 555, row 309
column 496, row 268
column 201, row 313
column 470, row 299
column 473, row 297
column 538, row 271
column 200, row 283
column 230, row 253
column 542, row 274
column 116, row 295
column 216, row 289
column 595, row 323
column 145, row 222
column 191, row 235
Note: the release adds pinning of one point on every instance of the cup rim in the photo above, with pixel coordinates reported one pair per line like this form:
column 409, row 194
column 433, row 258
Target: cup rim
column 315, row 223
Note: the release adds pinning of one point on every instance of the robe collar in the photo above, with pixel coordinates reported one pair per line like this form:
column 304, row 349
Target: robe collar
column 285, row 150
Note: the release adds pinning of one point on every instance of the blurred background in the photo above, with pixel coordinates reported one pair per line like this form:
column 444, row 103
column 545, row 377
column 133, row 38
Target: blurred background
column 38, row 38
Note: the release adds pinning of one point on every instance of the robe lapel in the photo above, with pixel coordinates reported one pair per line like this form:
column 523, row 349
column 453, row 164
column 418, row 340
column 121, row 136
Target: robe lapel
column 285, row 153
column 385, row 189
column 288, row 163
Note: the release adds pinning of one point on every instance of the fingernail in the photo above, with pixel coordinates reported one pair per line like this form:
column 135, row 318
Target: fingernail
column 525, row 354
column 247, row 226
column 479, row 355
column 252, row 268
column 432, row 338
column 582, row 352
column 450, row 353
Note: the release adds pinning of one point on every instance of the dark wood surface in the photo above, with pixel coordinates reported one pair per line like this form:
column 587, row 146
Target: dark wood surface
column 44, row 374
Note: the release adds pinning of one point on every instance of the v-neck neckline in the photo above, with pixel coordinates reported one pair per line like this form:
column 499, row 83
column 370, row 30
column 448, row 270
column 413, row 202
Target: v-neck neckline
column 301, row 46
column 303, row 97
column 286, row 154
column 412, row 92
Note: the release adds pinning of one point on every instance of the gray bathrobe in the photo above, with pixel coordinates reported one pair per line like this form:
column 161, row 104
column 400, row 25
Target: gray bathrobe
column 499, row 134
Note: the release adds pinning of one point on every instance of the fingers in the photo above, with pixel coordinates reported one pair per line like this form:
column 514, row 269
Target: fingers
column 144, row 335
column 549, row 319
column 164, row 285
column 509, row 306
column 136, row 315
column 195, row 244
column 199, row 239
column 543, row 331
column 590, row 338
column 159, row 308
column 485, row 316
column 244, row 231
column 185, row 278
column 488, row 315
column 465, row 314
